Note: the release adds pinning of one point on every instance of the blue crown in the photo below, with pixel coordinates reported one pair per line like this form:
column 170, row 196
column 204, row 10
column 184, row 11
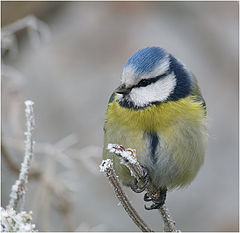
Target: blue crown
column 145, row 60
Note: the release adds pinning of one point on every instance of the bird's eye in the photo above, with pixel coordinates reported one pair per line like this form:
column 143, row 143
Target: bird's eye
column 144, row 82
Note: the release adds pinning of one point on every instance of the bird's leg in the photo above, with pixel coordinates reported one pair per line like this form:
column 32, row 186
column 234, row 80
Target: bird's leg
column 158, row 202
column 134, row 185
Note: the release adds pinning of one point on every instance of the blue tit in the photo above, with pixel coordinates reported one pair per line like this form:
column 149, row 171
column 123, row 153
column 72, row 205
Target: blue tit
column 158, row 110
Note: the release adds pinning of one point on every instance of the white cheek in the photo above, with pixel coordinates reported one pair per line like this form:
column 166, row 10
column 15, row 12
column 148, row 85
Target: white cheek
column 156, row 92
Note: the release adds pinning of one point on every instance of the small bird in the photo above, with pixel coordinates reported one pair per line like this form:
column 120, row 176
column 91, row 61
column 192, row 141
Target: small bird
column 158, row 110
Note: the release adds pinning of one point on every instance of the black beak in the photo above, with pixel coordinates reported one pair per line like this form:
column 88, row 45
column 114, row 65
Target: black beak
column 123, row 90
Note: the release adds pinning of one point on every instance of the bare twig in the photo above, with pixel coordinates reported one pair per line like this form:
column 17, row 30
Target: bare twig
column 37, row 30
column 128, row 158
column 18, row 190
column 107, row 167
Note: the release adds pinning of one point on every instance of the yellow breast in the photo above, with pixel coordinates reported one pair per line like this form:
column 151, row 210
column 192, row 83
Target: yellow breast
column 155, row 117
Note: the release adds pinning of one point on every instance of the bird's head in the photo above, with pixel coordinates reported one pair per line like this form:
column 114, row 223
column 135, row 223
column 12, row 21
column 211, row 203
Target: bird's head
column 152, row 76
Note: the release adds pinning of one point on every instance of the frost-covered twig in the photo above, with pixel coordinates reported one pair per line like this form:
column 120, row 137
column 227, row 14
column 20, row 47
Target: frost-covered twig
column 11, row 221
column 34, row 173
column 63, row 155
column 128, row 158
column 107, row 167
column 169, row 224
column 18, row 190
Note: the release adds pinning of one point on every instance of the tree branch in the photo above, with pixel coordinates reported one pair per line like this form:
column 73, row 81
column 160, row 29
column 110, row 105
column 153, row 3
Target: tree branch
column 107, row 167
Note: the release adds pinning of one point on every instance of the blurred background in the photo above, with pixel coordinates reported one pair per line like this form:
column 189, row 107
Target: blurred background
column 68, row 60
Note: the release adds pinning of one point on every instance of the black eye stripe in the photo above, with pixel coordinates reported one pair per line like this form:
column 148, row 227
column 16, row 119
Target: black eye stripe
column 146, row 82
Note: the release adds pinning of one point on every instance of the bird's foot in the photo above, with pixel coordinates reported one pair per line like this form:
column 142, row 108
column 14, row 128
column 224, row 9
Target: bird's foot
column 159, row 202
column 135, row 186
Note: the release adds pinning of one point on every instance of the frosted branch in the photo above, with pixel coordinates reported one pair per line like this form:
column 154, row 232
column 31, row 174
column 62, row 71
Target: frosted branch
column 169, row 224
column 19, row 188
column 128, row 158
column 107, row 167
column 34, row 173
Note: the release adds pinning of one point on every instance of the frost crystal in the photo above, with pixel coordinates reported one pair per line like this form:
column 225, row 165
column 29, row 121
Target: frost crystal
column 18, row 222
column 105, row 165
column 128, row 154
column 28, row 102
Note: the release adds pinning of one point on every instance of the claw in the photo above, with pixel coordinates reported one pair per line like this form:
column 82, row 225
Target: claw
column 153, row 206
column 135, row 188
column 134, row 185
column 156, row 203
column 147, row 198
column 146, row 177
